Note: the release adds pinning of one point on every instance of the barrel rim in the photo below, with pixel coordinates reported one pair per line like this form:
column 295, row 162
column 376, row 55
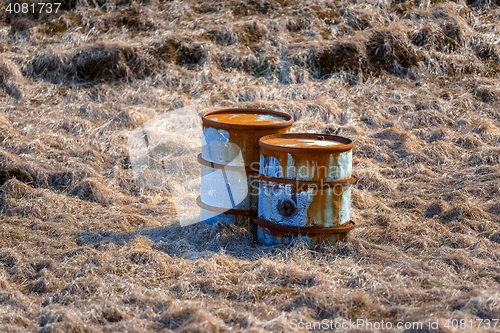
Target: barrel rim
column 347, row 144
column 213, row 123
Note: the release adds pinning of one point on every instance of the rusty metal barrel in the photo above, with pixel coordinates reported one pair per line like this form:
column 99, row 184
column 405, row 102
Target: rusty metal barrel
column 305, row 188
column 230, row 158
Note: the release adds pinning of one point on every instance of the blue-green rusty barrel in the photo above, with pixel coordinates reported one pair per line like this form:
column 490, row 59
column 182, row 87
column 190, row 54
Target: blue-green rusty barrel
column 305, row 188
column 230, row 158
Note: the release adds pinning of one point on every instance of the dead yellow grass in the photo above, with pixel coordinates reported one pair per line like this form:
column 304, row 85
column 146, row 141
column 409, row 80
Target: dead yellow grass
column 11, row 80
column 83, row 248
column 6, row 128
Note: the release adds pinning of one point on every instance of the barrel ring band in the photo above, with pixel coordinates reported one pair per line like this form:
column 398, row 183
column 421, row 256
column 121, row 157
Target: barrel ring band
column 328, row 184
column 222, row 210
column 225, row 167
column 304, row 230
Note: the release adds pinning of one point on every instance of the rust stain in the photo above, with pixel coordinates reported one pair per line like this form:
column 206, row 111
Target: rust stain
column 248, row 141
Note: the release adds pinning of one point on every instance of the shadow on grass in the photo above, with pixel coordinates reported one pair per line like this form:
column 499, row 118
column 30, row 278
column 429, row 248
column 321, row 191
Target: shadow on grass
column 194, row 241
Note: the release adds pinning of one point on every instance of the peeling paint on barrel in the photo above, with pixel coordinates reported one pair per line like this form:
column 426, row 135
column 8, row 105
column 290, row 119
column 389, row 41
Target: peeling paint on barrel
column 230, row 156
column 311, row 171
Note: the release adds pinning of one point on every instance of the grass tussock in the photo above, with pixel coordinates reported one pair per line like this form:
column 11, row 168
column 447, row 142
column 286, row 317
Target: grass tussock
column 84, row 247
column 19, row 174
column 388, row 49
column 6, row 128
column 97, row 63
column 339, row 57
column 182, row 53
column 11, row 80
column 92, row 190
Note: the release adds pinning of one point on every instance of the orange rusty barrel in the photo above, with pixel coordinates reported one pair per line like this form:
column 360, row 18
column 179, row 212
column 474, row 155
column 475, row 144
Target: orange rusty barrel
column 230, row 157
column 305, row 188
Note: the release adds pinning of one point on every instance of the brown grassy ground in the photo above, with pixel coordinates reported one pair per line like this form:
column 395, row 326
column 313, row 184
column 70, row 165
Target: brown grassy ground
column 413, row 83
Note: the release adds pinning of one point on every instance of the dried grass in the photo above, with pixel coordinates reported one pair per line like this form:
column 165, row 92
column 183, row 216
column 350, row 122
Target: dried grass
column 6, row 129
column 339, row 57
column 388, row 49
column 83, row 248
column 97, row 63
column 92, row 190
column 11, row 80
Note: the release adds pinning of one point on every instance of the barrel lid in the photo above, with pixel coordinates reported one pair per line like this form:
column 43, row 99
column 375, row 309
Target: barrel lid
column 247, row 119
column 306, row 143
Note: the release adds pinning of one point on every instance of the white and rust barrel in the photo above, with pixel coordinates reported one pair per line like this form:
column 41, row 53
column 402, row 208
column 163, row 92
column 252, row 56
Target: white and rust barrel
column 230, row 157
column 304, row 188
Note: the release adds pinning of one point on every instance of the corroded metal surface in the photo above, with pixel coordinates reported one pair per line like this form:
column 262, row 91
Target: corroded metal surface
column 244, row 131
column 230, row 157
column 305, row 184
